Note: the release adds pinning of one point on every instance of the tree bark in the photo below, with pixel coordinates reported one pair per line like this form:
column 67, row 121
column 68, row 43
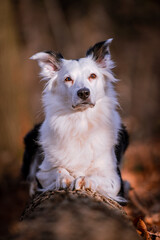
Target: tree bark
column 74, row 215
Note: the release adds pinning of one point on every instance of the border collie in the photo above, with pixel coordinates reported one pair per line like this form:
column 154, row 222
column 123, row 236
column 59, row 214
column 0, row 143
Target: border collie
column 80, row 143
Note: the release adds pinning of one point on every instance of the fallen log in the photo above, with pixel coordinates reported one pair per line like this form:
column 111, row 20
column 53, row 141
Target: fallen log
column 74, row 215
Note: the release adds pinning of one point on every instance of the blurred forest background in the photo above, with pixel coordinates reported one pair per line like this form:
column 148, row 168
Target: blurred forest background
column 71, row 27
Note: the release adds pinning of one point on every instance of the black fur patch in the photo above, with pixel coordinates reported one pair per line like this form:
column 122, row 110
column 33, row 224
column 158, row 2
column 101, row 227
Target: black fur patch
column 31, row 149
column 123, row 142
column 99, row 50
column 120, row 148
column 54, row 59
column 55, row 54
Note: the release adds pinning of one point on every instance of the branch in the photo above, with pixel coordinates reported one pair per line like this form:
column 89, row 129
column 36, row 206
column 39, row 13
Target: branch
column 74, row 215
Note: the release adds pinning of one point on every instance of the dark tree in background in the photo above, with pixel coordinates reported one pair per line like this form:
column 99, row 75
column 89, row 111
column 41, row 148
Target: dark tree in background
column 71, row 27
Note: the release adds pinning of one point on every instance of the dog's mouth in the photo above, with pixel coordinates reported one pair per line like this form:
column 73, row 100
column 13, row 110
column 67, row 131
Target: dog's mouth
column 83, row 105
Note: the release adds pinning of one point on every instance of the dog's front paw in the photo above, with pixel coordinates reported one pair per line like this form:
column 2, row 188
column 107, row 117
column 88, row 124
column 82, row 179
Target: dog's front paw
column 85, row 183
column 64, row 182
column 55, row 179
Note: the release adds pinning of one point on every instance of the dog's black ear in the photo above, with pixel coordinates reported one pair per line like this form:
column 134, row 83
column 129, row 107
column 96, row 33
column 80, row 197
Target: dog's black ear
column 49, row 61
column 100, row 52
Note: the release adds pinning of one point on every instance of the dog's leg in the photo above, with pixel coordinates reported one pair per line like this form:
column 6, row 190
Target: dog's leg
column 103, row 177
column 55, row 179
column 85, row 183
column 106, row 184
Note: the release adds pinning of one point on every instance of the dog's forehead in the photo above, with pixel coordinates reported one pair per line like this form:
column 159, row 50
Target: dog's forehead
column 80, row 65
column 86, row 62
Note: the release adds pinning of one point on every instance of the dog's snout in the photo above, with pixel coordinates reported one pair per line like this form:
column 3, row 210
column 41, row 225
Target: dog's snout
column 83, row 93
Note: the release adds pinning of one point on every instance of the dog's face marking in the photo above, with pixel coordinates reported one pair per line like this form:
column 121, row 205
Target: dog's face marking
column 79, row 84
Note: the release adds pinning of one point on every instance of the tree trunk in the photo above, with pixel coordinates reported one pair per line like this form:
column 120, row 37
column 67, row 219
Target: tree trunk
column 74, row 215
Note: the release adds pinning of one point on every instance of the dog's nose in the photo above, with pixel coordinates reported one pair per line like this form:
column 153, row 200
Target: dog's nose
column 83, row 93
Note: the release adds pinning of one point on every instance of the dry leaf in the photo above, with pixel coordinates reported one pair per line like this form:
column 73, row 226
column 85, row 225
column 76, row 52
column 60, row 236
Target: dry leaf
column 154, row 218
column 141, row 226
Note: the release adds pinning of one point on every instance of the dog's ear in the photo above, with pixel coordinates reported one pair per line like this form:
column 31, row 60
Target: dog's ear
column 49, row 61
column 100, row 52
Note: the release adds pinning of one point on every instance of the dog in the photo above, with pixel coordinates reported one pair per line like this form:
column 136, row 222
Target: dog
column 81, row 142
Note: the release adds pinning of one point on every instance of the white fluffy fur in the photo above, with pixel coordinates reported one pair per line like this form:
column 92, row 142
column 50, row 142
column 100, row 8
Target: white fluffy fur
column 78, row 140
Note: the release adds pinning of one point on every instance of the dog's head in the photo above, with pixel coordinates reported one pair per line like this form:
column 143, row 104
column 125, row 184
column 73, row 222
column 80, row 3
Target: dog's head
column 77, row 84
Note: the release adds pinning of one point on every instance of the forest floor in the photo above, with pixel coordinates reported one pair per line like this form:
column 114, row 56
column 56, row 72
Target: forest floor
column 141, row 168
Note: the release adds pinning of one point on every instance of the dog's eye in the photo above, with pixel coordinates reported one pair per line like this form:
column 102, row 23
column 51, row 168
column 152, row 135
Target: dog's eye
column 92, row 76
column 68, row 79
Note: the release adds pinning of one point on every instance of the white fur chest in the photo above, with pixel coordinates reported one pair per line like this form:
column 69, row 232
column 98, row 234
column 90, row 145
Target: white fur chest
column 78, row 141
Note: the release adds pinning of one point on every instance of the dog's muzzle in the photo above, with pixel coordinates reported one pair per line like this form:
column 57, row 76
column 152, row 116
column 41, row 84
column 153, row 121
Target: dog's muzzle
column 85, row 102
